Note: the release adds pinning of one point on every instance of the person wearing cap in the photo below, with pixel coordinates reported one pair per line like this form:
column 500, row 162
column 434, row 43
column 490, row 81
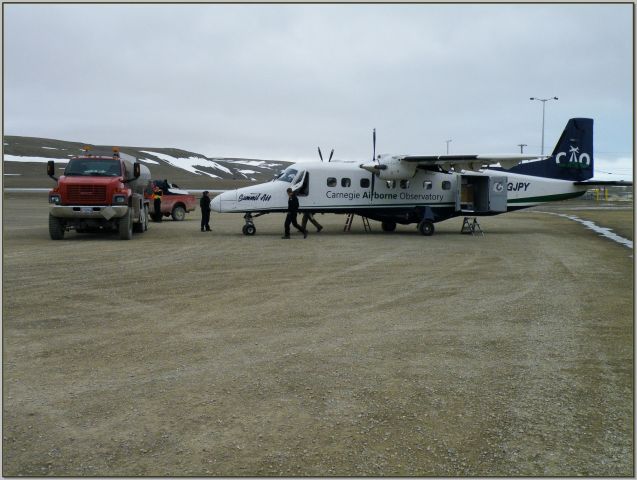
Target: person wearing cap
column 293, row 209
column 204, row 204
column 157, row 193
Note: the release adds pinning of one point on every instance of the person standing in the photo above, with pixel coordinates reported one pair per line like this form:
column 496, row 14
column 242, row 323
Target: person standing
column 157, row 192
column 293, row 209
column 310, row 216
column 204, row 204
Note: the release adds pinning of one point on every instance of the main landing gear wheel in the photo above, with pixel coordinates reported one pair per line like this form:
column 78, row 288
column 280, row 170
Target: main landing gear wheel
column 426, row 228
column 388, row 226
column 249, row 229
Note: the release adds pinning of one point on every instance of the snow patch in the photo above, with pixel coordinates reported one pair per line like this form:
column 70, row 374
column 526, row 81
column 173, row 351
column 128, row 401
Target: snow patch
column 189, row 164
column 255, row 163
column 605, row 232
column 17, row 158
column 148, row 160
column 50, row 148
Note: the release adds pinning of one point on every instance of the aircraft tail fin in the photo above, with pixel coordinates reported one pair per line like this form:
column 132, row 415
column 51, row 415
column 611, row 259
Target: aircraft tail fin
column 572, row 157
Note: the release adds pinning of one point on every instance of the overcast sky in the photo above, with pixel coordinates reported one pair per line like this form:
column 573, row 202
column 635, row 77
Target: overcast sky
column 276, row 81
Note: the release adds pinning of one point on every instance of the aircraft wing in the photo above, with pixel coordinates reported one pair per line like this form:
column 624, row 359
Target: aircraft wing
column 609, row 183
column 468, row 162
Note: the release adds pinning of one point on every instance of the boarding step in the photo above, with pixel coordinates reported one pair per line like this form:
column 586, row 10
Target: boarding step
column 471, row 227
column 350, row 218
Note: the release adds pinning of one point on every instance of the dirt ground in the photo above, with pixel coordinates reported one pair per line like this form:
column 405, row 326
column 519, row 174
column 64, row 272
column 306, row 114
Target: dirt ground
column 365, row 354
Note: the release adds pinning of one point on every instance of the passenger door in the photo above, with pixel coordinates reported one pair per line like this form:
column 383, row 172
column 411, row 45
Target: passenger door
column 302, row 184
column 498, row 194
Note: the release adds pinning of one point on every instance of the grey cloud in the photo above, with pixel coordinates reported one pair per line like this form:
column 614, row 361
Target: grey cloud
column 274, row 81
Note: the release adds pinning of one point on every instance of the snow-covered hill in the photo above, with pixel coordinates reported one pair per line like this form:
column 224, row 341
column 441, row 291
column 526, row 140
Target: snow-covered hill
column 21, row 153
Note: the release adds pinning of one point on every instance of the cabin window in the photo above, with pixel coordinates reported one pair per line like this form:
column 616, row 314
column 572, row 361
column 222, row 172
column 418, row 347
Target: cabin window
column 446, row 185
column 404, row 184
column 331, row 182
column 364, row 182
column 427, row 185
column 346, row 182
column 391, row 183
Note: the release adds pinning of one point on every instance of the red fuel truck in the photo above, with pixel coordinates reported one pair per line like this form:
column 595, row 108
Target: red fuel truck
column 99, row 191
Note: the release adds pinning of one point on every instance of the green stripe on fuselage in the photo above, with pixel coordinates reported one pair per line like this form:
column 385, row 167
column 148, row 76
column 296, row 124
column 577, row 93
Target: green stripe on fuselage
column 547, row 198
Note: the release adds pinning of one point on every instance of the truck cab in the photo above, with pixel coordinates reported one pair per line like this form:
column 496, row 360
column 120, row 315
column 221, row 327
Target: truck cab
column 99, row 192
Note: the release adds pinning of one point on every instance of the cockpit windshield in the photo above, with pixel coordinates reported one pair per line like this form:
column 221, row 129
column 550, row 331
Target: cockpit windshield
column 93, row 167
column 287, row 175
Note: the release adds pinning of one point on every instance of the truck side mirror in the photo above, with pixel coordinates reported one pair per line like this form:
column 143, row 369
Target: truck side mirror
column 136, row 170
column 50, row 169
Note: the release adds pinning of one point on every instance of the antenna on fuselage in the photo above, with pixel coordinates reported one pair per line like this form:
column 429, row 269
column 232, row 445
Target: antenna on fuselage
column 320, row 154
column 331, row 153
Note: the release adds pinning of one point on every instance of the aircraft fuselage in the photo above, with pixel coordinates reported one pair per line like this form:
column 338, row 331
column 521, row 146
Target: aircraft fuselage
column 343, row 187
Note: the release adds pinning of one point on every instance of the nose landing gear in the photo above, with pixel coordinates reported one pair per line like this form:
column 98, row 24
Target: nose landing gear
column 249, row 228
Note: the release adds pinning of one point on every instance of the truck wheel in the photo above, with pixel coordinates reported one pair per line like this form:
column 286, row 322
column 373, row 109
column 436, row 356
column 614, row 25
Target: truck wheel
column 56, row 228
column 126, row 226
column 142, row 225
column 388, row 226
column 426, row 228
column 179, row 213
column 146, row 218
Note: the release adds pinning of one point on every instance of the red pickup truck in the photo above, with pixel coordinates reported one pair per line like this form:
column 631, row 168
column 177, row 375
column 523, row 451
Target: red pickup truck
column 174, row 202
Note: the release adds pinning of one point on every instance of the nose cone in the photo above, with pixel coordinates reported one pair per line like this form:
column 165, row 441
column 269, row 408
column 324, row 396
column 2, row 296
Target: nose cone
column 215, row 203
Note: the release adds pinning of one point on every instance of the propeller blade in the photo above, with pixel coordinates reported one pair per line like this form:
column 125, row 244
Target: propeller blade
column 371, row 199
column 320, row 154
column 331, row 153
column 374, row 142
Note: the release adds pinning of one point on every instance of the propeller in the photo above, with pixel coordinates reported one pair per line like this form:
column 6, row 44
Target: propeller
column 374, row 142
column 321, row 155
column 373, row 160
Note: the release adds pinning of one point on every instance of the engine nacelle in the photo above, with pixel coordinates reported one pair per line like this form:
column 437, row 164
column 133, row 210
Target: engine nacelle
column 391, row 168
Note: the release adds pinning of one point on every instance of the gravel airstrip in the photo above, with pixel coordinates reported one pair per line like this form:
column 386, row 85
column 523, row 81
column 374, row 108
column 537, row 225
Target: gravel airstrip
column 346, row 354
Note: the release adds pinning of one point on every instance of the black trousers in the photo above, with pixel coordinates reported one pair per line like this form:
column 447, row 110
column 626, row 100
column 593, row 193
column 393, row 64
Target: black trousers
column 291, row 219
column 157, row 209
column 205, row 220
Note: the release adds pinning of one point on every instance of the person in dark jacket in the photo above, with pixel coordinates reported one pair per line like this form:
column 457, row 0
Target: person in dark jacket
column 157, row 193
column 204, row 204
column 293, row 209
column 310, row 216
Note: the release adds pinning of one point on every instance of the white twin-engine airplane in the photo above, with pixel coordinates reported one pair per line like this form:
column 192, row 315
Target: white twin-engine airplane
column 425, row 189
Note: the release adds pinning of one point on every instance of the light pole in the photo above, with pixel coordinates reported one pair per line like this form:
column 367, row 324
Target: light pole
column 522, row 145
column 543, row 100
column 447, row 142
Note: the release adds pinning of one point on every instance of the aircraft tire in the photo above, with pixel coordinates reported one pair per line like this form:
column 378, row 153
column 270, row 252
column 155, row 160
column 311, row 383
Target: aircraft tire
column 426, row 228
column 388, row 226
column 56, row 228
column 249, row 229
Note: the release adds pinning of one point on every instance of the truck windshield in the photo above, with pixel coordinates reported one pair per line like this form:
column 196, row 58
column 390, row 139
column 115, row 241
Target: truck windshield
column 287, row 175
column 102, row 167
